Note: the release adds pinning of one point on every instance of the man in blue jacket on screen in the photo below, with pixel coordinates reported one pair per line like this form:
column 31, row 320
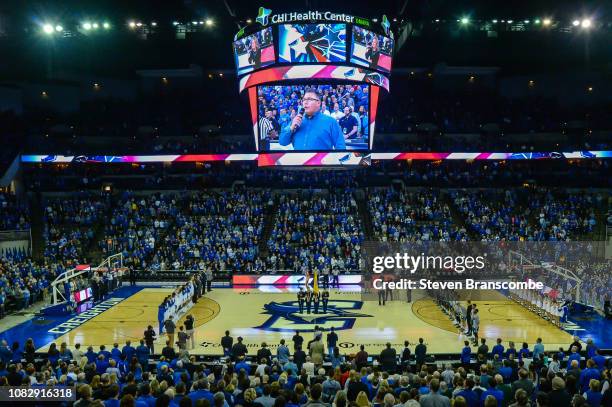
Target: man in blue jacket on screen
column 312, row 130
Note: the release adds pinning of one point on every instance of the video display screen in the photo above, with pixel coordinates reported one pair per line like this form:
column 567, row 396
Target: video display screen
column 254, row 51
column 312, row 43
column 313, row 117
column 371, row 50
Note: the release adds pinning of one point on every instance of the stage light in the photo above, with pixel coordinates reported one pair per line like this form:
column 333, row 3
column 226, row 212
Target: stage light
column 249, row 21
column 106, row 26
column 590, row 89
column 494, row 21
column 201, row 23
column 95, row 26
column 437, row 20
column 132, row 24
column 526, row 21
column 194, row 23
column 510, row 21
column 547, row 22
column 537, row 21
column 586, row 23
column 375, row 20
column 209, row 22
column 48, row 29
column 575, row 23
column 87, row 26
column 59, row 28
column 175, row 23
column 138, row 24
column 465, row 20
column 154, row 24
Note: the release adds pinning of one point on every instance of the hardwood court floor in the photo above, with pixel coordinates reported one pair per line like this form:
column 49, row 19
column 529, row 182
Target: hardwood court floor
column 271, row 314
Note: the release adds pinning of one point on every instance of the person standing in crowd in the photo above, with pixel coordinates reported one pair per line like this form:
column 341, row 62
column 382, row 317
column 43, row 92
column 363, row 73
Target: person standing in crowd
column 348, row 124
column 301, row 297
column 142, row 354
column 332, row 340
column 239, row 349
column 209, row 279
column 189, row 322
column 316, row 300
column 468, row 317
column 475, row 325
column 132, row 276
column 388, row 359
column 169, row 327
column 420, row 353
column 149, row 336
column 308, row 301
column 325, row 300
column 182, row 338
column 226, row 343
column 298, row 340
column 161, row 315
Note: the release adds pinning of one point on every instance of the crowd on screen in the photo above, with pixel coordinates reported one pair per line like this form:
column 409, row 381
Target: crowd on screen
column 318, row 375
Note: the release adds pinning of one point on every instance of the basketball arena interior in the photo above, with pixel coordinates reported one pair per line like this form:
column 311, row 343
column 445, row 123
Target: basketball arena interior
column 349, row 204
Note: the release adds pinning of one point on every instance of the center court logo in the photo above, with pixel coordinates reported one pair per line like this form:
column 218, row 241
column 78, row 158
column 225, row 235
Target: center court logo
column 286, row 316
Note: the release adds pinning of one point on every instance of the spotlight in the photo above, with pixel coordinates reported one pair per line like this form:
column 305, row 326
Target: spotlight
column 132, row 24
column 494, row 21
column 106, row 26
column 575, row 23
column 95, row 26
column 537, row 21
column 48, row 29
column 547, row 22
column 526, row 21
column 138, row 24
column 175, row 23
column 586, row 23
column 87, row 26
column 154, row 24
column 59, row 28
column 249, row 21
column 510, row 21
column 209, row 22
column 465, row 20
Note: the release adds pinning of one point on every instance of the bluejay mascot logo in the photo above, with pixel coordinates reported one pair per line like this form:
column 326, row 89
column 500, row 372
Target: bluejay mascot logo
column 263, row 16
column 286, row 316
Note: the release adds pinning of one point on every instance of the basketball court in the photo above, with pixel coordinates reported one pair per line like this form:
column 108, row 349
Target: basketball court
column 267, row 314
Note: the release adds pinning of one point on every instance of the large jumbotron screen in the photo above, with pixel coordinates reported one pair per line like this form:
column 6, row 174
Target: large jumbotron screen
column 335, row 117
column 254, row 51
column 304, row 43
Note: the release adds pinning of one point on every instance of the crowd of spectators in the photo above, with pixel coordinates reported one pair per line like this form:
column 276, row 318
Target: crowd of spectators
column 218, row 230
column 404, row 216
column 486, row 377
column 316, row 231
column 493, row 216
column 68, row 224
column 14, row 215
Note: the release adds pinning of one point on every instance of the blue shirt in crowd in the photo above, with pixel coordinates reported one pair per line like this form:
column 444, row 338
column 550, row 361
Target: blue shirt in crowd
column 319, row 132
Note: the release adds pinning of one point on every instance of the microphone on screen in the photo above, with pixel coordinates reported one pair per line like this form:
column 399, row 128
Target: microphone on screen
column 301, row 116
